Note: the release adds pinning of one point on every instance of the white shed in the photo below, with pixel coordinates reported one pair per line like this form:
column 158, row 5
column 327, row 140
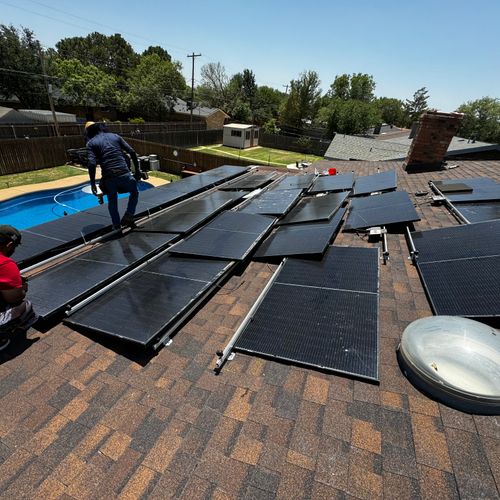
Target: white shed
column 239, row 135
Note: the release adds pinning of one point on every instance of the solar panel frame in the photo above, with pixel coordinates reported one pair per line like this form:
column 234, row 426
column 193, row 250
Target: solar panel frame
column 383, row 181
column 331, row 183
column 314, row 208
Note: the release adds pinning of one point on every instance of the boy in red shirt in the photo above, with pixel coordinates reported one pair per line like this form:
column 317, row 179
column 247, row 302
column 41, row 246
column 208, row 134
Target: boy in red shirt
column 16, row 313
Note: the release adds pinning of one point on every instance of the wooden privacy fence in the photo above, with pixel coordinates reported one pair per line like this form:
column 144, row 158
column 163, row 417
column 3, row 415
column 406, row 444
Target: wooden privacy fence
column 315, row 146
column 24, row 155
column 182, row 139
column 175, row 160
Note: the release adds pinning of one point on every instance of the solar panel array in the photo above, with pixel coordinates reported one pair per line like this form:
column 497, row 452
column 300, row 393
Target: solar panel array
column 383, row 181
column 251, row 182
column 483, row 189
column 460, row 268
column 330, row 183
column 231, row 235
column 294, row 182
column 322, row 314
column 44, row 240
column 315, row 208
column 272, row 202
column 381, row 210
column 143, row 307
column 300, row 239
column 69, row 281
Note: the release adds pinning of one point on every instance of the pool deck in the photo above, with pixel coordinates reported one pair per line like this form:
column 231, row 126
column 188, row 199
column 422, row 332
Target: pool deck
column 7, row 193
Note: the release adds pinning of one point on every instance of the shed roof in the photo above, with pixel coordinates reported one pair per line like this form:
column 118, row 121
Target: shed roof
column 238, row 125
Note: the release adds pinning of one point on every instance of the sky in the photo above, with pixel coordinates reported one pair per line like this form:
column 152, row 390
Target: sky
column 450, row 47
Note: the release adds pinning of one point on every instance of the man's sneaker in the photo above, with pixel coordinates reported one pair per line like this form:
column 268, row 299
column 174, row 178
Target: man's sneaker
column 4, row 343
column 128, row 220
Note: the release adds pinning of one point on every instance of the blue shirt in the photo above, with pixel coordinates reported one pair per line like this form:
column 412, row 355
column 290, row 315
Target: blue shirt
column 107, row 149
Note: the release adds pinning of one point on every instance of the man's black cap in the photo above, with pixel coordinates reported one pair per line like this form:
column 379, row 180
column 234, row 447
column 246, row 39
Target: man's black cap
column 9, row 234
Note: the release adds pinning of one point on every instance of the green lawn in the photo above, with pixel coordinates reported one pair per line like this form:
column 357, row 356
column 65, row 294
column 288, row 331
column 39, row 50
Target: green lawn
column 36, row 176
column 264, row 156
column 165, row 176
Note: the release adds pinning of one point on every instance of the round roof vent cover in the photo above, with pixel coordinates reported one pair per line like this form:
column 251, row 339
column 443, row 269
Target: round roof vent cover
column 456, row 360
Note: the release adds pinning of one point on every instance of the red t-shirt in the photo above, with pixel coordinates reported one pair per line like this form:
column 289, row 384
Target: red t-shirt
column 10, row 277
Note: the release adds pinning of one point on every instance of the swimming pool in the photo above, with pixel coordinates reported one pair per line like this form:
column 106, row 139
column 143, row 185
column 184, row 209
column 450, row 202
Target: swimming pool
column 36, row 208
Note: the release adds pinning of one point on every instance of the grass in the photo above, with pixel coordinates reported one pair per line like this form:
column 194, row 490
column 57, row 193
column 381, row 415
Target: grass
column 37, row 176
column 165, row 176
column 264, row 156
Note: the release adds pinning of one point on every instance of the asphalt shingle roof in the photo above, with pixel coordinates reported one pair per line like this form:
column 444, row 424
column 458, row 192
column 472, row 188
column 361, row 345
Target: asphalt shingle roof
column 84, row 418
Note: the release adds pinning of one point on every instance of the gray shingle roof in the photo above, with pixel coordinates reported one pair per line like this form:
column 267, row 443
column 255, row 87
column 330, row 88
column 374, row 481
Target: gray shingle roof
column 182, row 107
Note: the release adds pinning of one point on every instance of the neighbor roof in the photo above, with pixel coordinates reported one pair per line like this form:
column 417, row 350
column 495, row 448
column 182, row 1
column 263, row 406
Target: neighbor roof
column 182, row 107
column 238, row 125
column 9, row 116
column 351, row 147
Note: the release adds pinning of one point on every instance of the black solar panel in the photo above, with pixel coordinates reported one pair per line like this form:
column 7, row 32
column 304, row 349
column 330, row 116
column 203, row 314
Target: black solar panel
column 459, row 267
column 148, row 303
column 231, row 235
column 63, row 284
column 458, row 242
column 315, row 208
column 381, row 210
column 300, row 239
column 317, row 325
column 341, row 182
column 452, row 188
column 479, row 212
column 483, row 189
column 294, row 182
column 272, row 202
column 34, row 245
column 250, row 182
column 383, row 181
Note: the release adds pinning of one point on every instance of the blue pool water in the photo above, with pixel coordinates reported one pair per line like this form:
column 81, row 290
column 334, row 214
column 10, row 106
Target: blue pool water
column 43, row 206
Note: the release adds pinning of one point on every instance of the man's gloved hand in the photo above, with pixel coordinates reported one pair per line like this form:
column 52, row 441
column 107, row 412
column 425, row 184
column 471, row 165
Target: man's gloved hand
column 94, row 188
column 139, row 174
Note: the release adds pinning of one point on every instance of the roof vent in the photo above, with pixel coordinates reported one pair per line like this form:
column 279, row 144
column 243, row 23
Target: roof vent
column 455, row 360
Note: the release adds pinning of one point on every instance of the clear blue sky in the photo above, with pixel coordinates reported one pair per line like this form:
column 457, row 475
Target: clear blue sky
column 451, row 47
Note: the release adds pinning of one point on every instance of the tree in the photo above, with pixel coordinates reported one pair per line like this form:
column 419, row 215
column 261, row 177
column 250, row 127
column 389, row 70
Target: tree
column 157, row 50
column 213, row 90
column 481, row 120
column 20, row 52
column 391, row 111
column 268, row 102
column 85, row 84
column 303, row 100
column 271, row 126
column 349, row 117
column 359, row 86
column 152, row 87
column 416, row 106
column 112, row 54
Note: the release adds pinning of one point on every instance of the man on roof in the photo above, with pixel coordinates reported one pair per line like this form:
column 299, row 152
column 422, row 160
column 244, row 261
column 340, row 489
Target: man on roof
column 108, row 150
column 16, row 312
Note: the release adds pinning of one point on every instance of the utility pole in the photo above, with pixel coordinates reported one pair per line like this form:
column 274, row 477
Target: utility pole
column 286, row 88
column 193, row 56
column 48, row 86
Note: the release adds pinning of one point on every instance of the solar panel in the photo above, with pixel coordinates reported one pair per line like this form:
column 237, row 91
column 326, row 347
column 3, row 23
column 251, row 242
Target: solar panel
column 381, row 210
column 294, row 182
column 251, row 182
column 272, row 202
column 479, row 212
column 483, row 189
column 315, row 208
column 69, row 281
column 300, row 239
column 459, row 267
column 149, row 302
column 452, row 188
column 231, row 235
column 341, row 182
column 321, row 326
column 34, row 245
column 383, row 181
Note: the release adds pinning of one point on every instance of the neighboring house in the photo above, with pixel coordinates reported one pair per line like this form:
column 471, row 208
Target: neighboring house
column 351, row 147
column 9, row 116
column 45, row 116
column 239, row 135
column 213, row 117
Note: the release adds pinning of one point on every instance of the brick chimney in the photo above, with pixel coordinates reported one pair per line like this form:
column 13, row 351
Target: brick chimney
column 430, row 144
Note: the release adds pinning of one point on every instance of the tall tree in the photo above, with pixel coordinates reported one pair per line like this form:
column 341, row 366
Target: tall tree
column 303, row 101
column 213, row 90
column 86, row 84
column 391, row 111
column 20, row 53
column 152, row 87
column 268, row 102
column 359, row 86
column 156, row 49
column 417, row 105
column 112, row 54
column 481, row 120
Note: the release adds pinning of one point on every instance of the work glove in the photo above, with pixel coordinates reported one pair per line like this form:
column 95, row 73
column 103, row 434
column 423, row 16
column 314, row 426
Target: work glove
column 94, row 188
column 138, row 175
